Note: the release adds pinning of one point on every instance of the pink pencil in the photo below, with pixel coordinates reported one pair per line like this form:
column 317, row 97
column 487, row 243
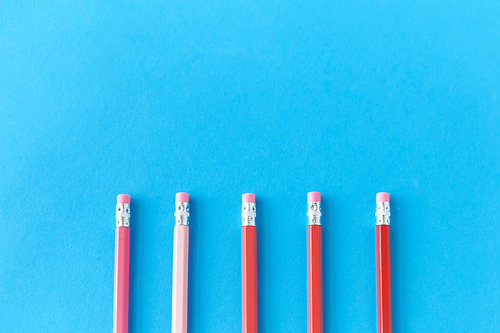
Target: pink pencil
column 248, row 264
column 180, row 269
column 122, row 252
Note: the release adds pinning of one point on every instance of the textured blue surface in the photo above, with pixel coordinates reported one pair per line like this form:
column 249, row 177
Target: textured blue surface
column 275, row 97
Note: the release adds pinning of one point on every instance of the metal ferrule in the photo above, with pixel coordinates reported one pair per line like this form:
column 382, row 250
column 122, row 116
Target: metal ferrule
column 383, row 213
column 314, row 213
column 248, row 214
column 181, row 213
column 122, row 215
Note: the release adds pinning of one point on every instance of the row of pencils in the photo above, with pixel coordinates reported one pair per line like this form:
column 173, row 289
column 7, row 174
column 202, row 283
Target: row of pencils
column 249, row 264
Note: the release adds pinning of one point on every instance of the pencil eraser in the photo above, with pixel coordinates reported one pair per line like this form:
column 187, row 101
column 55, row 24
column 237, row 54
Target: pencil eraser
column 123, row 198
column 181, row 197
column 248, row 197
column 313, row 197
column 383, row 196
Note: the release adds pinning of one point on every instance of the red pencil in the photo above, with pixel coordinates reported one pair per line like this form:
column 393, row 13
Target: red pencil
column 383, row 255
column 248, row 264
column 314, row 264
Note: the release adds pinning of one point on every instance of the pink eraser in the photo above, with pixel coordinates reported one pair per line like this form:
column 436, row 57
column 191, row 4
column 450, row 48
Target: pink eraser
column 181, row 197
column 383, row 196
column 313, row 197
column 123, row 198
column 248, row 197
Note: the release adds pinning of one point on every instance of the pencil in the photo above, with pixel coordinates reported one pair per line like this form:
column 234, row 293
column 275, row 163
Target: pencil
column 383, row 257
column 249, row 264
column 180, row 264
column 314, row 264
column 122, row 253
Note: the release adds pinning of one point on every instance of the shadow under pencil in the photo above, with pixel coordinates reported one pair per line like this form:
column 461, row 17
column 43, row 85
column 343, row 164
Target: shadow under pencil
column 136, row 228
column 193, row 281
column 261, row 223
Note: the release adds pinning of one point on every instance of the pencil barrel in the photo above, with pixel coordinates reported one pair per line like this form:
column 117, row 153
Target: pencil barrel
column 180, row 279
column 314, row 280
column 122, row 262
column 383, row 258
column 249, row 278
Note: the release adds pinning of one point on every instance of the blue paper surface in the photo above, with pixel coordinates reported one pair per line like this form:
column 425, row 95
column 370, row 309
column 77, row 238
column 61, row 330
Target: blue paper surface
column 273, row 97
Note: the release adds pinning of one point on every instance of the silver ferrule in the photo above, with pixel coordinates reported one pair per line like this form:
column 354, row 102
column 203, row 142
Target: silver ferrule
column 248, row 214
column 123, row 215
column 383, row 213
column 314, row 213
column 181, row 213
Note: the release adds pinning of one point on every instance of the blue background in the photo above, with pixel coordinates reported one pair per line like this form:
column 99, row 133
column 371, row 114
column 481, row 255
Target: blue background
column 273, row 97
